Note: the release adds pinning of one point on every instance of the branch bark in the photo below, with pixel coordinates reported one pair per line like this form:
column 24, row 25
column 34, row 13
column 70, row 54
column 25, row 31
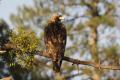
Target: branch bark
column 90, row 63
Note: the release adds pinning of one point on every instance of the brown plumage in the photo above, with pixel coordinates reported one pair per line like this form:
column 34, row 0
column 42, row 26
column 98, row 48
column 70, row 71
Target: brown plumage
column 55, row 41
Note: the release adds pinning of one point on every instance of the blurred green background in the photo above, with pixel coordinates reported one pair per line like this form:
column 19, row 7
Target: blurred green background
column 93, row 31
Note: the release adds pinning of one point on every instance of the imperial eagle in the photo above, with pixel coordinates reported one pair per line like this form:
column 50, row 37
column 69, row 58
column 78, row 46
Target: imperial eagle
column 55, row 40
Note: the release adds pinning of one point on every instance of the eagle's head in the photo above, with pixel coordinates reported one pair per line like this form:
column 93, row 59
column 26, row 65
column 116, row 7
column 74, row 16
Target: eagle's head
column 56, row 18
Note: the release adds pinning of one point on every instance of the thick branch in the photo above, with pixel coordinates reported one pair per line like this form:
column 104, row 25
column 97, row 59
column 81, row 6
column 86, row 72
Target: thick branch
column 89, row 63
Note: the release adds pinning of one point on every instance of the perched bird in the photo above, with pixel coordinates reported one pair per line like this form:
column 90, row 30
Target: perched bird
column 55, row 40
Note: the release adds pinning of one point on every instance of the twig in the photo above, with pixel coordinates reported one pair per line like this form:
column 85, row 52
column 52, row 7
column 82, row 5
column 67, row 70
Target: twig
column 71, row 76
column 74, row 18
column 42, row 63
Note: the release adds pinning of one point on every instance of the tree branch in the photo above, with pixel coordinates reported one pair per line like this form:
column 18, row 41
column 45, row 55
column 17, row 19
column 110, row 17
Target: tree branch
column 89, row 63
column 74, row 61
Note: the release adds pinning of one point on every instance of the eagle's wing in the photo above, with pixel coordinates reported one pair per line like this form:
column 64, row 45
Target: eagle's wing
column 62, row 37
column 55, row 36
column 61, row 43
column 47, row 38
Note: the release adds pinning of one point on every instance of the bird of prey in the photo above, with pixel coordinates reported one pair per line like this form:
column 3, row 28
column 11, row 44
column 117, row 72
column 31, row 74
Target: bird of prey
column 55, row 40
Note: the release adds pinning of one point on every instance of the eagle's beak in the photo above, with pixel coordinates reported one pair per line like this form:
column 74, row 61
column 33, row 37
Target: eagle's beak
column 62, row 17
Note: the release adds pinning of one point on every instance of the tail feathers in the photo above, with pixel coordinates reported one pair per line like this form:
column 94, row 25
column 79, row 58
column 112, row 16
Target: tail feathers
column 56, row 66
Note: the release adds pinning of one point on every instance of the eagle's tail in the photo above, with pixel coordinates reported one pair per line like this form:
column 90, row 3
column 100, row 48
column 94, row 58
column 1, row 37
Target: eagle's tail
column 57, row 66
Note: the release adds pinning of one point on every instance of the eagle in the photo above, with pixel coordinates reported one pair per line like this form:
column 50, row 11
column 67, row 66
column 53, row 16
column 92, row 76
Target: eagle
column 55, row 40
